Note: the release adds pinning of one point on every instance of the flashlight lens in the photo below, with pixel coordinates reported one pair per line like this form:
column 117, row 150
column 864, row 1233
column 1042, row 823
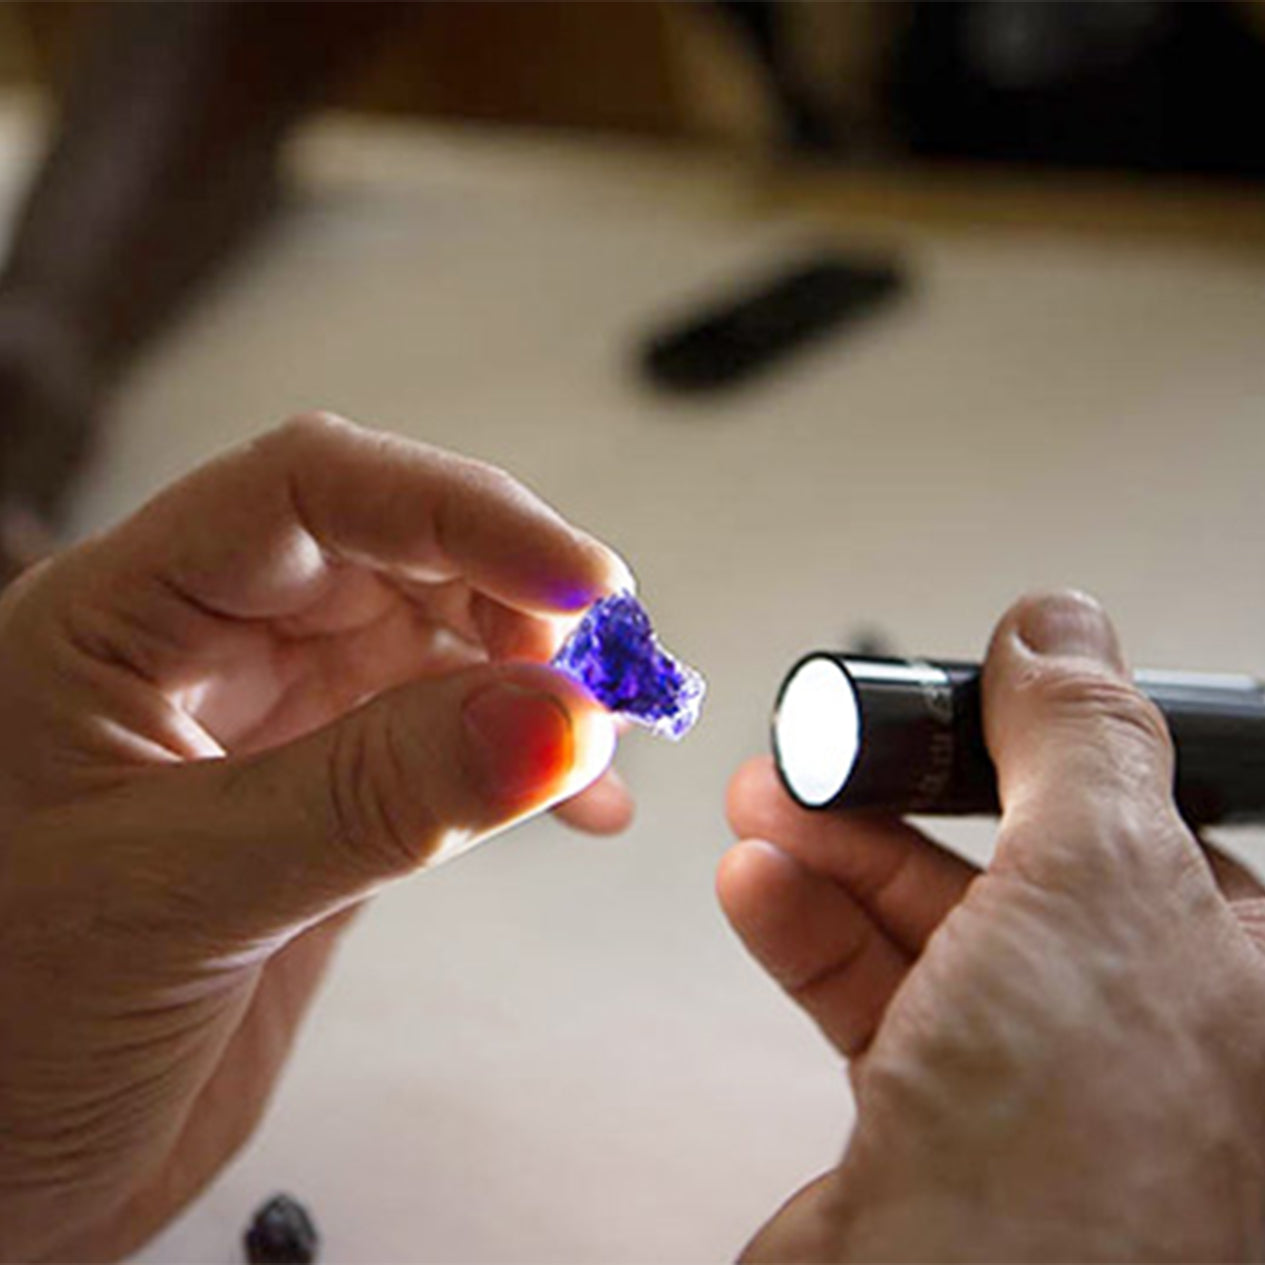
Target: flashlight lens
column 817, row 731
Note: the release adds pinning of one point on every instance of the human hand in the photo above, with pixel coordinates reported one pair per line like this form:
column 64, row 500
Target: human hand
column 1062, row 1057
column 312, row 666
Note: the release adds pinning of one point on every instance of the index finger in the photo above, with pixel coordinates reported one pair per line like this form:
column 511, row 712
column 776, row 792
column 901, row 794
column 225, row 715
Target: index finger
column 262, row 531
column 905, row 881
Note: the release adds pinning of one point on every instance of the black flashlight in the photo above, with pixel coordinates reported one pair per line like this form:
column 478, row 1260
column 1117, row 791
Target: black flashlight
column 906, row 736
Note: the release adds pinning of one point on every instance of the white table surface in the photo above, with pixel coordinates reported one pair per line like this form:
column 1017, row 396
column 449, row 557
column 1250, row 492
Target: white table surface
column 553, row 1050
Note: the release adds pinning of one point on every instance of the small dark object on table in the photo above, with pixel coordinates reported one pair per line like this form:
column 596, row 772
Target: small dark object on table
column 750, row 331
column 281, row 1233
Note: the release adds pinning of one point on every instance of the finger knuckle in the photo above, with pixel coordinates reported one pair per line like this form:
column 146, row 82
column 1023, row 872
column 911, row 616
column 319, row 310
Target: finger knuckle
column 491, row 479
column 1084, row 832
column 1119, row 720
column 299, row 436
column 48, row 606
column 1098, row 806
column 377, row 817
column 311, row 426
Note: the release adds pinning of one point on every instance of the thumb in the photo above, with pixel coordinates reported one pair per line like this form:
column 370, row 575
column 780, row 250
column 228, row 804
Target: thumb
column 1084, row 760
column 409, row 780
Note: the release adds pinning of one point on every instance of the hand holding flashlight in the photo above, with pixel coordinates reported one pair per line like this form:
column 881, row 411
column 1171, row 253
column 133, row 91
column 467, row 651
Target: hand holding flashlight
column 1062, row 1056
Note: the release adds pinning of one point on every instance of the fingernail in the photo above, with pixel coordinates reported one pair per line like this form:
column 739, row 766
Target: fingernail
column 1069, row 625
column 619, row 576
column 520, row 740
column 624, row 580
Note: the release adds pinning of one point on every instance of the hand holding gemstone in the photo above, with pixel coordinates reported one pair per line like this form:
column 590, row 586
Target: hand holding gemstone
column 615, row 655
column 370, row 700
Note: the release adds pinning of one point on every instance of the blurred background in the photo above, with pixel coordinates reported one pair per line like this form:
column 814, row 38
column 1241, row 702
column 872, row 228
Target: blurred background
column 845, row 323
column 1142, row 85
column 169, row 131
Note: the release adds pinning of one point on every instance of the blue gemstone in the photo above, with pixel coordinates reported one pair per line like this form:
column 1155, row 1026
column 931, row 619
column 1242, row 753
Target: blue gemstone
column 615, row 655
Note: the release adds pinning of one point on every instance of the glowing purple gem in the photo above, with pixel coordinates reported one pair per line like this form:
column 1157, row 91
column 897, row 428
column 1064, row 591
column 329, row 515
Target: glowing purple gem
column 615, row 655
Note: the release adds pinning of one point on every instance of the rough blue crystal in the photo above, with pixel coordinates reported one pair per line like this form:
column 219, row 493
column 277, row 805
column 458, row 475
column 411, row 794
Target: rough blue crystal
column 615, row 655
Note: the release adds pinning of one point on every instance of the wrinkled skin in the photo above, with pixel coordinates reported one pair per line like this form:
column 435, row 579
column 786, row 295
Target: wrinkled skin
column 310, row 668
column 1060, row 1058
